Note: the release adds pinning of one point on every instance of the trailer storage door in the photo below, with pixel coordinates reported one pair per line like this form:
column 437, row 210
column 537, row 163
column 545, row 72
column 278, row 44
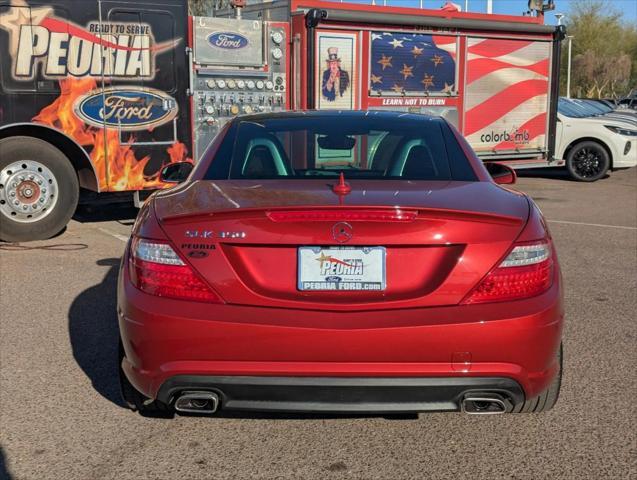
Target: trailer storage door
column 507, row 96
column 143, row 107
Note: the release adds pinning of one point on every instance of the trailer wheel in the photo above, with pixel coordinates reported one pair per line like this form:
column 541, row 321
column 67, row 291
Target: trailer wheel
column 587, row 161
column 38, row 189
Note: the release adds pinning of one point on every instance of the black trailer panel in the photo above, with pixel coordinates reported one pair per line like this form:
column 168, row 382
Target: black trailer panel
column 108, row 79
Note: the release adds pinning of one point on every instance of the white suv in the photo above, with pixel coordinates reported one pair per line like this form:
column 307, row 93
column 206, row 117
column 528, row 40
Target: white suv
column 593, row 143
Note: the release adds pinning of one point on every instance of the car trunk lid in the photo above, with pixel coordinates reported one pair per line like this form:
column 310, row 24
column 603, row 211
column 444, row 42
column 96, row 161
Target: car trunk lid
column 439, row 238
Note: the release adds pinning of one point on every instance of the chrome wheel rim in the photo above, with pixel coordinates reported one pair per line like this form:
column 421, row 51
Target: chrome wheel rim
column 28, row 191
column 588, row 162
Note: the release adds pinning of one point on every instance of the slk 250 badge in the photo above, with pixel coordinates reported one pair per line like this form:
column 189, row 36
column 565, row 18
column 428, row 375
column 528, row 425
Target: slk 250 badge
column 127, row 108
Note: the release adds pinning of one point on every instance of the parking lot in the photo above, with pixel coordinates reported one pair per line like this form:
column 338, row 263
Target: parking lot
column 61, row 415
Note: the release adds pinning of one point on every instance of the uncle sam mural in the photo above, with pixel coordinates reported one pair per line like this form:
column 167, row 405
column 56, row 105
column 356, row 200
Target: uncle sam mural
column 336, row 70
column 335, row 79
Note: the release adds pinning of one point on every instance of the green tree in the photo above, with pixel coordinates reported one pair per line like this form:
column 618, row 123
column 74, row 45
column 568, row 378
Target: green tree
column 202, row 7
column 604, row 56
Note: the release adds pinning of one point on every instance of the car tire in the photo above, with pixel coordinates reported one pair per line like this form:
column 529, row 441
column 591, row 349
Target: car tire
column 135, row 400
column 547, row 399
column 39, row 189
column 587, row 161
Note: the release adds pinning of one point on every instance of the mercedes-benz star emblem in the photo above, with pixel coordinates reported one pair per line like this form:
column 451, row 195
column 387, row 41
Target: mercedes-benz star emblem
column 342, row 232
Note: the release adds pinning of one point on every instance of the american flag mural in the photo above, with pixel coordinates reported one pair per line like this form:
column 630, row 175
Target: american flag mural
column 506, row 94
column 412, row 63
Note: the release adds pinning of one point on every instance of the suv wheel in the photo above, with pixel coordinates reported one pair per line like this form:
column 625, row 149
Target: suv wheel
column 587, row 161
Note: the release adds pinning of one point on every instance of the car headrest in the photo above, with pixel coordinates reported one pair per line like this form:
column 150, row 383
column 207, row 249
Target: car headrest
column 419, row 164
column 260, row 163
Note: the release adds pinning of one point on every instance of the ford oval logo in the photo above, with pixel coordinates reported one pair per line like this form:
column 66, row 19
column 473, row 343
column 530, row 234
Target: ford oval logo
column 228, row 40
column 126, row 108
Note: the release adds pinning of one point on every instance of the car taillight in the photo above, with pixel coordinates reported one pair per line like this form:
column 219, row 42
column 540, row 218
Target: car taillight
column 155, row 268
column 525, row 272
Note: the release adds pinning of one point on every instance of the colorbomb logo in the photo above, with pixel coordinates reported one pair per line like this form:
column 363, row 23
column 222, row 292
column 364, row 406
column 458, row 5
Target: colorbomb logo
column 516, row 136
column 39, row 40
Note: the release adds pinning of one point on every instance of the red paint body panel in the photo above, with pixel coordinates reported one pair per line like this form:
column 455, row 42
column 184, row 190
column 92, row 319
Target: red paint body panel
column 462, row 230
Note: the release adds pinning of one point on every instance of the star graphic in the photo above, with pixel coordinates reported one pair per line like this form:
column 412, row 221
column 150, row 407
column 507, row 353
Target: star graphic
column 416, row 52
column 385, row 61
column 376, row 36
column 406, row 71
column 323, row 258
column 427, row 81
column 437, row 59
column 448, row 88
column 376, row 78
column 19, row 14
column 396, row 43
column 397, row 88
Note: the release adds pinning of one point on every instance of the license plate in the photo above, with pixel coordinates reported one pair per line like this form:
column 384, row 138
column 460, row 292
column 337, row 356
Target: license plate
column 341, row 268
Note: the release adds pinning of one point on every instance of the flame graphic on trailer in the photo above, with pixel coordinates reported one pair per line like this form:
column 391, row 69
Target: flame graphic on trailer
column 125, row 171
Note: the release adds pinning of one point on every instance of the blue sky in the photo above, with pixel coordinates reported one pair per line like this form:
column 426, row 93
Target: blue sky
column 515, row 7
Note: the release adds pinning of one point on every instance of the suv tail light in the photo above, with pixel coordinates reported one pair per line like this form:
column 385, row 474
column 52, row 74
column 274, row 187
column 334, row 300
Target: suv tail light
column 527, row 271
column 155, row 268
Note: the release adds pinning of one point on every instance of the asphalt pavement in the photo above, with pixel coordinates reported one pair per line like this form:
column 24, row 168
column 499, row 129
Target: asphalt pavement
column 61, row 416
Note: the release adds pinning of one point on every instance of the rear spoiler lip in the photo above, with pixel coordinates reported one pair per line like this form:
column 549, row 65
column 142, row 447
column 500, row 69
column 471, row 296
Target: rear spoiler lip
column 424, row 213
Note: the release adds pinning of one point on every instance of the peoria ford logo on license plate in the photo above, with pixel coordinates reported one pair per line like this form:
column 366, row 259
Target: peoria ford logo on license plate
column 126, row 108
column 333, row 268
column 228, row 40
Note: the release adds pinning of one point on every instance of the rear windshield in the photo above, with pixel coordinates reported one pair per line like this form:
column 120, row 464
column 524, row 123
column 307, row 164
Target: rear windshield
column 323, row 146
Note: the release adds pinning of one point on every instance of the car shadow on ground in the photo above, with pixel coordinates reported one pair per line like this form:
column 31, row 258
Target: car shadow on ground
column 549, row 173
column 309, row 416
column 4, row 471
column 94, row 333
column 95, row 213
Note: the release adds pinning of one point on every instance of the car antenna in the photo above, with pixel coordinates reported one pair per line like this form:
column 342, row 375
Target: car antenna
column 341, row 188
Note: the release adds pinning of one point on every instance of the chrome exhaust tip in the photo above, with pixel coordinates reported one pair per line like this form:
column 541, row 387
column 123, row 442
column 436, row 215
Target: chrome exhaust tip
column 197, row 402
column 483, row 404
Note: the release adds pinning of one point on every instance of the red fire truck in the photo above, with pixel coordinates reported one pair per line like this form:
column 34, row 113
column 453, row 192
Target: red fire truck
column 97, row 96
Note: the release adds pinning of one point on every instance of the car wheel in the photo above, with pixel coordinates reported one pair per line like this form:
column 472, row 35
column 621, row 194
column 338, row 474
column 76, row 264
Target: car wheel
column 135, row 400
column 546, row 400
column 587, row 161
column 38, row 189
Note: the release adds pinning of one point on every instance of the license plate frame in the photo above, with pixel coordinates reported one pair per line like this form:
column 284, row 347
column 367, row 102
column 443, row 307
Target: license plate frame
column 363, row 271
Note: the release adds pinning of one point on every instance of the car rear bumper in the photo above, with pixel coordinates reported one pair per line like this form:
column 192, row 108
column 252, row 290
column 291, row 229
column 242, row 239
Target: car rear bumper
column 170, row 343
column 342, row 395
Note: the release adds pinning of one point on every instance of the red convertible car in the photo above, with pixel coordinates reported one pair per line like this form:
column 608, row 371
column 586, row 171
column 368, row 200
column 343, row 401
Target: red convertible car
column 340, row 262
